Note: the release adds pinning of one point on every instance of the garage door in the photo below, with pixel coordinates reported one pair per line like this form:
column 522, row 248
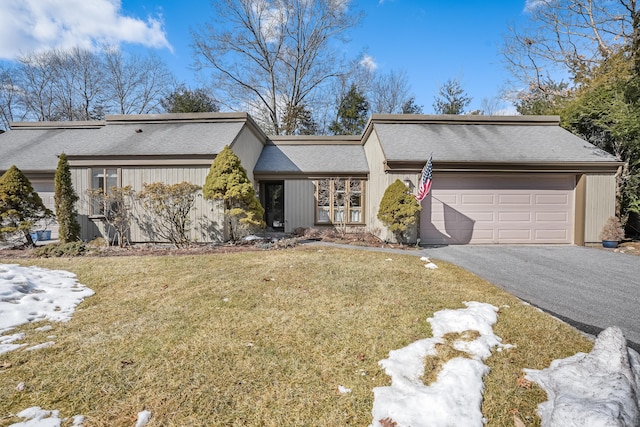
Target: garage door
column 505, row 208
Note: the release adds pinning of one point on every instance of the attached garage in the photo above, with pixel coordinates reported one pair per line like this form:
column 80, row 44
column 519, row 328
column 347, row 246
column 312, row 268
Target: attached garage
column 506, row 208
column 496, row 179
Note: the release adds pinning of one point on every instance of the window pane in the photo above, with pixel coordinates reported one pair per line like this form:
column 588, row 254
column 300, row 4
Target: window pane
column 324, row 192
column 112, row 178
column 355, row 193
column 323, row 214
column 338, row 215
column 355, row 200
column 97, row 179
column 355, row 215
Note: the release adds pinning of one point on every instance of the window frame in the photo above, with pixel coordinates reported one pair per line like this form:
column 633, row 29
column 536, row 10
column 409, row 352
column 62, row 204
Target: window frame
column 332, row 208
column 95, row 210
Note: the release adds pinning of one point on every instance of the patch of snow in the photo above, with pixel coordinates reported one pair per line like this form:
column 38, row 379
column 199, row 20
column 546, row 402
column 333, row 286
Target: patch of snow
column 601, row 388
column 39, row 346
column 343, row 390
column 457, row 393
column 7, row 340
column 31, row 293
column 38, row 417
column 44, row 328
column 143, row 418
column 431, row 266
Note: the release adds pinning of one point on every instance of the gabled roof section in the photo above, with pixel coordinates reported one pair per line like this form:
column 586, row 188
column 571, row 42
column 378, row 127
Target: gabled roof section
column 313, row 155
column 480, row 139
column 34, row 146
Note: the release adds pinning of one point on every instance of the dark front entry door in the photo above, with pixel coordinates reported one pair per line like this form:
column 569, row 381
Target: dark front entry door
column 274, row 205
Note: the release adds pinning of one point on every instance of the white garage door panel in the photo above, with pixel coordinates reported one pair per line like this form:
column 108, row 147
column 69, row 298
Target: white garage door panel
column 498, row 209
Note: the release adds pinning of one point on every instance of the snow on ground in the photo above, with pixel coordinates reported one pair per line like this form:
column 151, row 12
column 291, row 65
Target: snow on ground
column 29, row 294
column 457, row 393
column 38, row 417
column 596, row 389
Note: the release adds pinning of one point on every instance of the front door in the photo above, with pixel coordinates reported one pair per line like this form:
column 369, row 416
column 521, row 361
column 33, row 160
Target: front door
column 274, row 205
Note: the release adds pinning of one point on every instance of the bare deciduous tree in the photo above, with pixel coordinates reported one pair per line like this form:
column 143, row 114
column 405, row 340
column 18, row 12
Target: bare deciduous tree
column 136, row 84
column 389, row 92
column 572, row 36
column 269, row 54
column 37, row 73
column 12, row 101
column 79, row 84
column 82, row 84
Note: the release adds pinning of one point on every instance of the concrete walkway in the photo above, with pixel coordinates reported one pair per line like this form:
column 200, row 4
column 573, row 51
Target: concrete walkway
column 590, row 289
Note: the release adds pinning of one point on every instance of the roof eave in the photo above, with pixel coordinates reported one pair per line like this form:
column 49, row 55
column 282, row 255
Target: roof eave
column 407, row 166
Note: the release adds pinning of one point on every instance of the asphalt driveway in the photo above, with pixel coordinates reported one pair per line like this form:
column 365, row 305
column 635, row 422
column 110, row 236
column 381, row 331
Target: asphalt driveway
column 588, row 288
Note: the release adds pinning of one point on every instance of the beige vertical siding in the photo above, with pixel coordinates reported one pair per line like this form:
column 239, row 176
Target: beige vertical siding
column 299, row 204
column 206, row 216
column 206, row 219
column 248, row 148
column 600, row 204
column 378, row 182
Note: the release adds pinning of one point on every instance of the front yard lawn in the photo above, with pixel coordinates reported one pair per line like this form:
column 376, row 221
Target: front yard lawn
column 260, row 339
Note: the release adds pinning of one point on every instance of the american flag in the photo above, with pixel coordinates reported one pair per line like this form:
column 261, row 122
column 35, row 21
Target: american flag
column 425, row 180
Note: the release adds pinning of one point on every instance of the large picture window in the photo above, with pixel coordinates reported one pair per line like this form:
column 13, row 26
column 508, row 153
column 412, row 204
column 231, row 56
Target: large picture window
column 339, row 201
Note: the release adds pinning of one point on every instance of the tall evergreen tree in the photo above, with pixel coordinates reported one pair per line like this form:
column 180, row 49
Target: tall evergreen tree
column 451, row 99
column 183, row 100
column 227, row 181
column 410, row 107
column 65, row 199
column 352, row 113
column 20, row 205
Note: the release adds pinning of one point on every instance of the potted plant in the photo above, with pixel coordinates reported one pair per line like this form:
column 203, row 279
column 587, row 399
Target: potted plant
column 612, row 233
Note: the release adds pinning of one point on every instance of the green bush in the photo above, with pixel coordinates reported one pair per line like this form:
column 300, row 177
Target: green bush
column 227, row 181
column 398, row 210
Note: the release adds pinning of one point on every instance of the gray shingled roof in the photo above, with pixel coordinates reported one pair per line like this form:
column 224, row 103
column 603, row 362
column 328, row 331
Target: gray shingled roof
column 33, row 149
column 484, row 143
column 312, row 158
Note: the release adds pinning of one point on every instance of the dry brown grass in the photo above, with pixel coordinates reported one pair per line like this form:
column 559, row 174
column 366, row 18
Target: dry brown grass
column 260, row 339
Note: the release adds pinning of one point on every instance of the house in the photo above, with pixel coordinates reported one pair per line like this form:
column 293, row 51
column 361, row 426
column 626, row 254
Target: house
column 496, row 179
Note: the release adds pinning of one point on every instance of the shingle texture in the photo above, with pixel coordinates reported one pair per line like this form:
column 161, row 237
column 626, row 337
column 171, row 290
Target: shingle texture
column 485, row 143
column 316, row 158
column 32, row 149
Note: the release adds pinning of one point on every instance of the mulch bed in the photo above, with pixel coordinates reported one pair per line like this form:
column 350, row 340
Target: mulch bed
column 282, row 242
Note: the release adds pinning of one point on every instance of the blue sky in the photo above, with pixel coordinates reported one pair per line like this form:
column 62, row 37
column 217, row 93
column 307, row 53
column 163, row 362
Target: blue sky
column 431, row 41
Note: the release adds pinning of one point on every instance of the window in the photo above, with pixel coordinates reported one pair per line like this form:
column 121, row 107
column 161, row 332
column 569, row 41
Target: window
column 102, row 180
column 339, row 200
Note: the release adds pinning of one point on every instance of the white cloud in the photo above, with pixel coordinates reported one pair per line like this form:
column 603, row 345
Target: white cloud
column 368, row 62
column 31, row 25
column 530, row 5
